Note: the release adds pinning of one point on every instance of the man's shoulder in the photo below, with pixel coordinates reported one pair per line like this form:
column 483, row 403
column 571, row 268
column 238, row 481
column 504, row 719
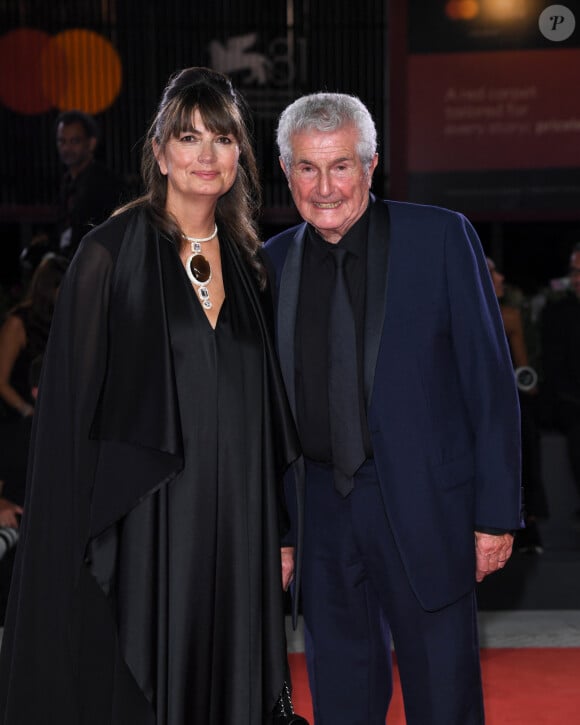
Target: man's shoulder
column 100, row 169
column 406, row 211
column 277, row 246
column 285, row 236
column 100, row 177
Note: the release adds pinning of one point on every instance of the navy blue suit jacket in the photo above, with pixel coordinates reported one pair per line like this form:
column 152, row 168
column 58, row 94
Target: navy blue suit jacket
column 441, row 397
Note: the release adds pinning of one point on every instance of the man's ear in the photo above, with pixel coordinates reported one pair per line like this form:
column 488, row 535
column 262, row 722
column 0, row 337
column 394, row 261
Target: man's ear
column 372, row 167
column 283, row 166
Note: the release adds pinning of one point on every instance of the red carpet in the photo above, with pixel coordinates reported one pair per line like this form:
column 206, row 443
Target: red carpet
column 521, row 687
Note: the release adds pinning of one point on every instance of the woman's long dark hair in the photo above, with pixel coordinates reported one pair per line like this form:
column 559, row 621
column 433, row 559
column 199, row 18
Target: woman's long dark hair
column 223, row 110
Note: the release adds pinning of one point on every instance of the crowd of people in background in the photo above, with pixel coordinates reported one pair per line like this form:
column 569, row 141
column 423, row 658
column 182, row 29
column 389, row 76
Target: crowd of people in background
column 543, row 331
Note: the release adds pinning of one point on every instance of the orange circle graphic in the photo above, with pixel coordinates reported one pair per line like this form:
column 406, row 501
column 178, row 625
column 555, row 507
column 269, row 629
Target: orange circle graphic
column 89, row 79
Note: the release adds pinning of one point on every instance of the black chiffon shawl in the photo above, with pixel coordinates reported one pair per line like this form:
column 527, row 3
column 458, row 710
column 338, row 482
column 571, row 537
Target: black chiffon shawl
column 106, row 435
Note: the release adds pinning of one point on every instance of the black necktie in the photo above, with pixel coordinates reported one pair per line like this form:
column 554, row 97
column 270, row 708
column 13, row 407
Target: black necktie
column 345, row 430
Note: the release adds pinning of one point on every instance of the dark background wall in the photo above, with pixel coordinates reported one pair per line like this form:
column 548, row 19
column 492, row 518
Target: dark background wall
column 273, row 52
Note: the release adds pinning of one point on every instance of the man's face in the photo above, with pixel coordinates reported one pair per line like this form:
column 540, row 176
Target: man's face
column 329, row 184
column 75, row 148
column 574, row 272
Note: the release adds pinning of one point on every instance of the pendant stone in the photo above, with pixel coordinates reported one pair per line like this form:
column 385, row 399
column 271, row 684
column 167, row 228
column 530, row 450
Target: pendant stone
column 204, row 297
column 199, row 272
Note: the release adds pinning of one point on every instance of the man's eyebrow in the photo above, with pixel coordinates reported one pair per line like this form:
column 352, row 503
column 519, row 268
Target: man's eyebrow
column 339, row 160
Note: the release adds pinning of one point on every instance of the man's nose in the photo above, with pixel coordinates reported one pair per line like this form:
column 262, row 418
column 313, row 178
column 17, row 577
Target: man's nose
column 324, row 183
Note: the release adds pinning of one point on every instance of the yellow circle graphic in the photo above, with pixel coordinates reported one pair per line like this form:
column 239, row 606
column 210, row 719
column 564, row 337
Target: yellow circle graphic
column 90, row 76
column 462, row 9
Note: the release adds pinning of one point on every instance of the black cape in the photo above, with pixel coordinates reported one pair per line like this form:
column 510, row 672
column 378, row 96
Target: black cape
column 107, row 446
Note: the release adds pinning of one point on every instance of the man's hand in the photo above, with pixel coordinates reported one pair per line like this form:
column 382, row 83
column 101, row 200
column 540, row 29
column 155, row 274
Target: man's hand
column 287, row 553
column 491, row 553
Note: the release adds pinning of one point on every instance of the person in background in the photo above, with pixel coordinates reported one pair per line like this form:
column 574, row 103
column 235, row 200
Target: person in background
column 396, row 363
column 560, row 340
column 149, row 577
column 528, row 540
column 89, row 190
column 23, row 338
column 9, row 511
column 10, row 514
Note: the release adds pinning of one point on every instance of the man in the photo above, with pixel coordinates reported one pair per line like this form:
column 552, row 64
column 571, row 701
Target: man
column 409, row 493
column 560, row 334
column 89, row 190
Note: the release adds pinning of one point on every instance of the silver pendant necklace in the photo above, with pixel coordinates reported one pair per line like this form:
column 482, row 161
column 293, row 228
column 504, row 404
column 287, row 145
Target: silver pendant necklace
column 198, row 268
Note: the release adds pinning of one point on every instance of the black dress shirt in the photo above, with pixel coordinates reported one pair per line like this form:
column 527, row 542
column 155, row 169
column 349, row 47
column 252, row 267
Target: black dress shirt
column 312, row 322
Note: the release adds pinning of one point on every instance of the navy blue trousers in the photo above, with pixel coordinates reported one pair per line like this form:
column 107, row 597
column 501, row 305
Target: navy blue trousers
column 356, row 597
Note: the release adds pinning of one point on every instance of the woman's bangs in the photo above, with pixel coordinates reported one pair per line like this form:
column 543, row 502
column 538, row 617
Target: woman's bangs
column 218, row 114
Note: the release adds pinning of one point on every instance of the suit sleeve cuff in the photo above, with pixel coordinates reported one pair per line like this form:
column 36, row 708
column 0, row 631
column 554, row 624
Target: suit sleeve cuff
column 493, row 532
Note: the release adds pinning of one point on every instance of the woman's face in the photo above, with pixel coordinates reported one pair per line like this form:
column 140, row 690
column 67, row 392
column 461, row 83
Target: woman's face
column 198, row 163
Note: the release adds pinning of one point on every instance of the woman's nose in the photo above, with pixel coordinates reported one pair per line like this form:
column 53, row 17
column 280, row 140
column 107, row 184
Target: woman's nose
column 206, row 151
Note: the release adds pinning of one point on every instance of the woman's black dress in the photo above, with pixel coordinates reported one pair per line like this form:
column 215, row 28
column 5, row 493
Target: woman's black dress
column 193, row 552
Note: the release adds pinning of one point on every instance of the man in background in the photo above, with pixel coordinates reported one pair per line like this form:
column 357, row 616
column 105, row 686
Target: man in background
column 89, row 191
column 560, row 336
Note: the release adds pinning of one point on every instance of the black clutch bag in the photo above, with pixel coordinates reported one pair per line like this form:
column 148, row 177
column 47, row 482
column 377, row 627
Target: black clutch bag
column 284, row 711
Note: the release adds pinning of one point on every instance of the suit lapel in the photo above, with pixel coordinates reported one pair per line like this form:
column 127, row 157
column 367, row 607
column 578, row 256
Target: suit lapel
column 376, row 293
column 287, row 307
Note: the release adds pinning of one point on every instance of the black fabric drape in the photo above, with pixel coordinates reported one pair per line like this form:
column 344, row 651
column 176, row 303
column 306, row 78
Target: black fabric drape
column 107, row 445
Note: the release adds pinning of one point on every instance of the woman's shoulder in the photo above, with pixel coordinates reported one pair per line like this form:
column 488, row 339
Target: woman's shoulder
column 113, row 229
column 14, row 326
column 107, row 238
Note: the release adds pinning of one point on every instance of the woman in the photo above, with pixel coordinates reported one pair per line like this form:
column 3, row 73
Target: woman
column 527, row 540
column 149, row 580
column 23, row 337
column 512, row 319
